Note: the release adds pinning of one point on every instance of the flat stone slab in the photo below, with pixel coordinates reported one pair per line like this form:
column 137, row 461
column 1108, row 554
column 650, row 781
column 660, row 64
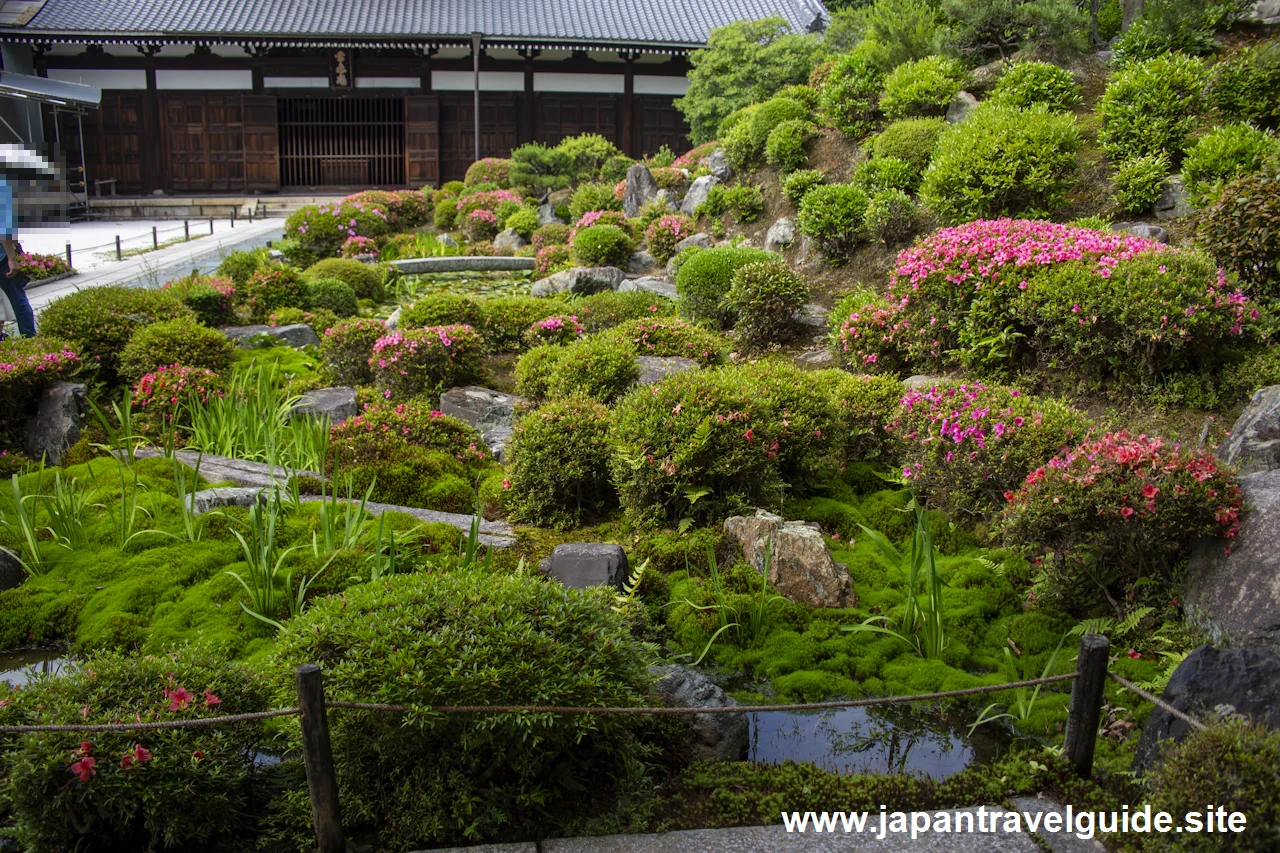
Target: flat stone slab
column 655, row 368
column 650, row 284
column 1058, row 842
column 525, row 847
column 463, row 263
column 494, row 534
column 336, row 404
column 296, row 335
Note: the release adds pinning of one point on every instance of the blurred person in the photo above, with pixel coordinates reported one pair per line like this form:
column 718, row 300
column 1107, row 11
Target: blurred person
column 12, row 282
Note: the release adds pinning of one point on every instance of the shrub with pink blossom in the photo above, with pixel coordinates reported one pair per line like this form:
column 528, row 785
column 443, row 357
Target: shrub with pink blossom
column 345, row 350
column 37, row 266
column 663, row 233
column 26, row 366
column 1109, row 512
column 480, row 225
column 486, row 200
column 689, row 159
column 162, row 394
column 427, row 361
column 600, row 217
column 489, row 170
column 403, row 208
column 551, row 234
column 212, row 299
column 321, row 230
column 671, row 336
column 557, row 329
column 356, row 246
column 963, row 446
column 550, row 259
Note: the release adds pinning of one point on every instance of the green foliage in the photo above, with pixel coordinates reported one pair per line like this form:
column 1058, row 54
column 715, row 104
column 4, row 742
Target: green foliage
column 799, row 182
column 504, row 319
column 1241, row 229
column 912, row 140
column 592, row 196
column 241, row 264
column 445, row 212
column 763, row 296
column 743, row 201
column 536, row 167
column 210, row 299
column 558, row 464
column 1183, row 26
column 998, row 27
column 1002, row 161
column 1151, row 107
column 427, row 361
column 705, row 278
column 551, row 234
column 134, row 788
column 1140, row 180
column 333, row 294
column 1244, row 85
column 802, row 93
column 1028, row 83
column 743, row 63
column 921, row 88
column 664, row 337
column 785, row 148
column 602, row 246
column 833, row 215
column 442, row 309
column 100, row 321
column 885, row 173
column 851, row 94
column 523, row 221
column 1234, row 763
column 893, row 217
column 746, row 143
column 907, row 30
column 272, row 288
column 365, row 280
column 608, row 308
column 593, row 158
column 179, row 341
column 599, row 367
column 345, row 350
column 1223, row 154
column 489, row 170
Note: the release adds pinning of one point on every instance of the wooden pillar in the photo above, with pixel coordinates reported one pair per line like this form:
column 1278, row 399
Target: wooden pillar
column 628, row 133
column 155, row 159
column 1085, row 709
column 475, row 67
column 528, row 132
column 317, row 756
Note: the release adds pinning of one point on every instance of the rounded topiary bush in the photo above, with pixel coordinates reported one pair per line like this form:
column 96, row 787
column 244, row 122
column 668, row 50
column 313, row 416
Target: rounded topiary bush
column 180, row 341
column 1140, row 181
column 442, row 309
column 798, row 183
column 705, row 278
column 495, row 640
column 763, row 296
column 272, row 288
column 892, row 217
column 1222, row 155
column 427, row 361
column 599, row 367
column 523, row 221
column 241, row 264
column 744, row 144
column 557, row 462
column 1026, row 84
column 833, row 216
column 911, row 140
column 551, row 234
column 100, row 321
column 785, row 149
column 922, row 88
column 1243, row 85
column 364, row 279
column 1241, row 229
column 608, row 308
column 664, row 232
column 489, row 170
column 345, row 350
column 602, row 246
column 1152, row 106
column 592, row 196
column 505, row 320
column 664, row 337
column 885, row 173
column 850, row 96
column 333, row 294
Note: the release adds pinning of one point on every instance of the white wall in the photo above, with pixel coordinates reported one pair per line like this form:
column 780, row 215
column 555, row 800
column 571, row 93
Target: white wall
column 103, row 78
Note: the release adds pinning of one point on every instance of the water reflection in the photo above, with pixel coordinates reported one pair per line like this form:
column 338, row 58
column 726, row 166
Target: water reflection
column 18, row 666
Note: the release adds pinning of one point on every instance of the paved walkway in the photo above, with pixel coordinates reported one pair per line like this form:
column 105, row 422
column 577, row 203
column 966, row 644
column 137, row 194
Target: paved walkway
column 93, row 243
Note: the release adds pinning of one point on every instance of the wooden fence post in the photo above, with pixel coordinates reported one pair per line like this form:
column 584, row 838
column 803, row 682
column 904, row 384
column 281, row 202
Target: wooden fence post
column 322, row 782
column 1085, row 710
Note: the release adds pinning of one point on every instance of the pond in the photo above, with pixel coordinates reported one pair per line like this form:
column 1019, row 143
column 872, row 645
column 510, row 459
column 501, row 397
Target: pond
column 18, row 665
column 411, row 288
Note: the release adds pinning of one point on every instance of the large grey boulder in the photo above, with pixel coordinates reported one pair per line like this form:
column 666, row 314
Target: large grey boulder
column 654, row 368
column 1143, row 229
column 581, row 565
column 716, row 737
column 922, row 381
column 1174, row 202
column 641, row 261
column 336, row 404
column 581, row 281
column 1254, row 443
column 812, row 315
column 697, row 194
column 393, row 320
column 1264, row 13
column 1213, row 683
column 509, row 240
column 12, row 574
column 701, row 240
column 56, row 425
column 650, row 284
column 547, row 215
column 482, row 408
column 1237, row 596
column 800, row 566
column 641, row 188
column 780, row 235
column 962, row 104
column 296, row 335
column 718, row 164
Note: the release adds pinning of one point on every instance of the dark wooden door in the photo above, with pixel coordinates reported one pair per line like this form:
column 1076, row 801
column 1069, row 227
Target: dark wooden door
column 112, row 142
column 560, row 116
column 348, row 141
column 499, row 126
column 204, row 138
column 660, row 124
column 422, row 140
column 261, row 143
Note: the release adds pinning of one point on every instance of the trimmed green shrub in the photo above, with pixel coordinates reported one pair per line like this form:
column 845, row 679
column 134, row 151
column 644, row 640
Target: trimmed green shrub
column 179, row 341
column 1241, row 229
column 333, row 294
column 599, row 367
column 1002, row 161
column 670, row 336
column 1222, row 155
column 496, row 640
column 504, row 319
column 763, row 296
column 1140, row 181
column 864, row 405
column 912, row 140
column 922, row 88
column 1152, row 106
column 365, row 280
column 602, row 246
column 851, row 93
column 345, row 350
column 134, row 789
column 593, row 158
column 991, row 28
column 799, row 182
column 885, row 173
column 1029, row 83
column 489, row 170
column 833, row 216
column 445, row 212
column 589, row 197
column 241, row 264
column 212, row 300
column 785, row 148
column 802, row 93
column 442, row 309
column 608, row 308
column 705, row 278
column 408, row 363
column 1244, row 84
column 743, row 201
column 893, row 217
column 551, row 234
column 523, row 221
column 751, row 136
column 99, row 321
column 558, row 464
column 536, row 167
column 272, row 288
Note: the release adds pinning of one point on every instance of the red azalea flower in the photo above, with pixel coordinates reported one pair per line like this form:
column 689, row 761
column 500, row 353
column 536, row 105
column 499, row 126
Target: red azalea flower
column 211, row 699
column 197, row 755
column 1126, row 511
column 84, row 768
column 1134, row 654
column 1149, row 491
column 179, row 698
column 747, row 435
column 1008, row 496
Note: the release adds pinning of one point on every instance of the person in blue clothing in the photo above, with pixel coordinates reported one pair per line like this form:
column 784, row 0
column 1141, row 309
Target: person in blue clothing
column 13, row 283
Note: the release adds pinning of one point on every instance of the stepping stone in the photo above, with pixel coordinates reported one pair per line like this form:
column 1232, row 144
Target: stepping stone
column 650, row 284
column 581, row 565
column 336, row 404
column 463, row 263
column 207, row 500
column 525, row 847
column 296, row 335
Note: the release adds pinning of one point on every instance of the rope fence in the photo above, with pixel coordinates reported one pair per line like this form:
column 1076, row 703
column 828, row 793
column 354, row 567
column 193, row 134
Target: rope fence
column 119, row 242
column 1159, row 703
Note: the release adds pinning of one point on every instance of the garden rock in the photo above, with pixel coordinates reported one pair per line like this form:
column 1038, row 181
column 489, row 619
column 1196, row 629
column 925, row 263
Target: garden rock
column 447, row 241
column 1237, row 596
column 654, row 368
column 1264, row 13
column 581, row 565
column 984, row 77
column 812, row 315
column 509, row 240
column 716, row 737
column 56, row 425
column 962, row 103
column 697, row 194
column 718, row 164
column 922, row 381
column 11, row 572
column 805, row 254
column 296, row 335
column 336, row 404
column 800, row 568
column 1173, row 202
column 496, row 440
column 208, row 500
column 1254, row 443
column 650, row 284
column 701, row 240
column 641, row 187
column 641, row 261
column 547, row 214
column 816, row 357
column 1143, row 229
column 1213, row 683
column 393, row 321
column 581, row 281
column 482, row 408
column 780, row 235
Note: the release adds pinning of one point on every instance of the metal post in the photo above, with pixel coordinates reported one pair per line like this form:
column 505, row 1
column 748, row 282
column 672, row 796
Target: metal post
column 210, row 225
column 119, row 256
column 186, row 229
column 233, row 217
column 475, row 63
column 251, row 216
column 68, row 254
column 1085, row 710
column 155, row 238
column 317, row 756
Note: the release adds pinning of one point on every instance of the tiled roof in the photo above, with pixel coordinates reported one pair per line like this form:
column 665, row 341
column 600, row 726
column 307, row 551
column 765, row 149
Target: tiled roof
column 587, row 21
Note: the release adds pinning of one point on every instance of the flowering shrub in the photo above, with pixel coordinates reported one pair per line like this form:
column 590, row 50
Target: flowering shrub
column 1241, row 228
column 557, row 329
column 671, row 179
column 871, row 334
column 489, row 170
column 1108, row 512
column 133, row 789
column 608, row 308
column 662, row 235
column 37, row 266
column 602, row 246
column 345, row 350
column 665, row 337
column 615, row 218
column 558, row 464
column 689, row 159
column 426, row 361
column 99, row 321
column 319, row 319
column 485, row 200
column 360, row 440
column 763, row 296
column 322, row 229
column 480, row 225
column 551, row 259
column 211, row 299
column 162, row 393
column 179, row 341
column 26, row 366
column 505, row 319
column 272, row 288
column 403, row 208
column 354, row 247
column 551, row 234
column 593, row 196
column 965, row 445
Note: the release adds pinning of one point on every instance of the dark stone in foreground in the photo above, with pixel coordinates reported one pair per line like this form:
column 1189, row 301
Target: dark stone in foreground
column 11, row 572
column 1247, row 680
column 296, row 335
column 336, row 404
column 716, row 737
column 580, row 565
column 56, row 425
